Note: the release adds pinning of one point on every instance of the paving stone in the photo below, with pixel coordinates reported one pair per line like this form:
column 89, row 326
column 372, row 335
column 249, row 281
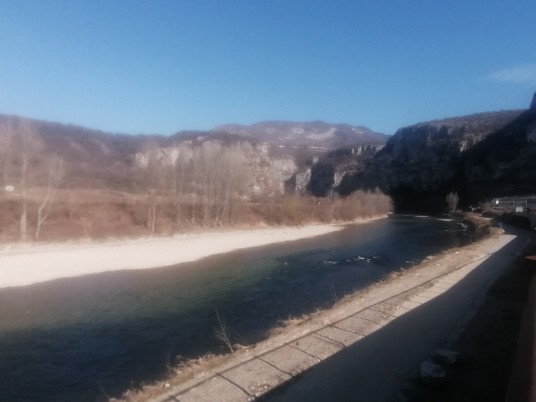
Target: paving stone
column 421, row 299
column 433, row 292
column 317, row 346
column 290, row 360
column 411, row 304
column 357, row 325
column 347, row 338
column 256, row 377
column 385, row 308
column 372, row 315
column 401, row 299
column 442, row 287
column 396, row 303
column 217, row 389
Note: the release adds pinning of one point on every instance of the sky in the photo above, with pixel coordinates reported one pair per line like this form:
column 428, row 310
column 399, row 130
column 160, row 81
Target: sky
column 161, row 66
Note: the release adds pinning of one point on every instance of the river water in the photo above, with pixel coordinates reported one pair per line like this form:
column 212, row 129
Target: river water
column 83, row 339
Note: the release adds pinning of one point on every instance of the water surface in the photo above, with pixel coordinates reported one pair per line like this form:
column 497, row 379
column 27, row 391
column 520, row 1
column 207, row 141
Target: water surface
column 83, row 339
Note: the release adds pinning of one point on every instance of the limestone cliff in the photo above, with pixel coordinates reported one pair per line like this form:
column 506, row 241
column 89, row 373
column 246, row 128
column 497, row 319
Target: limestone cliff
column 504, row 163
column 327, row 174
column 420, row 164
column 260, row 172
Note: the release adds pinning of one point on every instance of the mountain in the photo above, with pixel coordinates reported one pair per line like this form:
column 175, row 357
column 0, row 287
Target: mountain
column 272, row 151
column 504, row 163
column 93, row 158
column 314, row 135
column 479, row 156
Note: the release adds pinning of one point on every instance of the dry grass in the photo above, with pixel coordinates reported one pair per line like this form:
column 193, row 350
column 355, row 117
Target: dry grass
column 480, row 227
column 99, row 214
column 177, row 375
column 283, row 326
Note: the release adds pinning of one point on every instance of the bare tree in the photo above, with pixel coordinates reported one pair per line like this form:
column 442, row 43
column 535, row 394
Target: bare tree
column 25, row 133
column 220, row 175
column 178, row 185
column 55, row 175
column 452, row 200
column 6, row 130
column 23, row 221
column 223, row 333
column 153, row 177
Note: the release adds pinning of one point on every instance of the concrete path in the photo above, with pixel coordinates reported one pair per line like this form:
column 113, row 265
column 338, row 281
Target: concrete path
column 362, row 350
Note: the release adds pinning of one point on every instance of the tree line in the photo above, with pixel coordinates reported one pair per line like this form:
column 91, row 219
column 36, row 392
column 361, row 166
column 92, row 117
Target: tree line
column 206, row 185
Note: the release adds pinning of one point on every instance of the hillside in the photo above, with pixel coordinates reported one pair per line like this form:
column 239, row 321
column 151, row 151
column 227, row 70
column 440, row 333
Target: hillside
column 99, row 159
column 80, row 182
column 504, row 164
column 307, row 134
column 306, row 138
column 104, row 183
column 422, row 163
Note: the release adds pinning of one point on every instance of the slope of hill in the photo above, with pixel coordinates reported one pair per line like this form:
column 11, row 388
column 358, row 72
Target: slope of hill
column 111, row 184
column 420, row 164
column 504, row 163
column 316, row 134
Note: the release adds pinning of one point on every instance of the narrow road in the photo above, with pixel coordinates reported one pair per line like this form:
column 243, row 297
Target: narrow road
column 365, row 349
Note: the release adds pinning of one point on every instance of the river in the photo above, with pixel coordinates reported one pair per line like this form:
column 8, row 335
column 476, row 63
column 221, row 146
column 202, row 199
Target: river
column 85, row 339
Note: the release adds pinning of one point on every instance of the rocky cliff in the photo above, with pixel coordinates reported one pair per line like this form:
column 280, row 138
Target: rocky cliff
column 330, row 170
column 420, row 164
column 260, row 171
column 504, row 164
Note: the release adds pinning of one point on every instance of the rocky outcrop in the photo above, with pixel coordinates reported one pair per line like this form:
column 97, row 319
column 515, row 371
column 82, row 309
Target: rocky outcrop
column 329, row 172
column 533, row 104
column 260, row 173
column 302, row 181
column 504, row 163
column 420, row 164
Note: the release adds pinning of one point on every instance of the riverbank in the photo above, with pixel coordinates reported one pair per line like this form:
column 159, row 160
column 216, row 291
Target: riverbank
column 427, row 304
column 26, row 264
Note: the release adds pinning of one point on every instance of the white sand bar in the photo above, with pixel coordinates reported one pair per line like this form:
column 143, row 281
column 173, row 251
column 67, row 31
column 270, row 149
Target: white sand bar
column 28, row 264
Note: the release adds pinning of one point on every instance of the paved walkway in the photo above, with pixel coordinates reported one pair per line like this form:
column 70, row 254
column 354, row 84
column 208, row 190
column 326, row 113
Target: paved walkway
column 381, row 336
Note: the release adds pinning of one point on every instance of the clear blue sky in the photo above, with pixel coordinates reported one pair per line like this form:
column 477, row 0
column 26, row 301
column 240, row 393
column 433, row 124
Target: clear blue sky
column 159, row 66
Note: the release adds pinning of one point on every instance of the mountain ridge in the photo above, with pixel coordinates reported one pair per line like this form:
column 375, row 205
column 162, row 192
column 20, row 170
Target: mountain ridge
column 313, row 133
column 417, row 166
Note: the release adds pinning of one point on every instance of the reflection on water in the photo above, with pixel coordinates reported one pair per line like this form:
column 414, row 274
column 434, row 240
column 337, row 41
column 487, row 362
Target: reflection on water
column 84, row 338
